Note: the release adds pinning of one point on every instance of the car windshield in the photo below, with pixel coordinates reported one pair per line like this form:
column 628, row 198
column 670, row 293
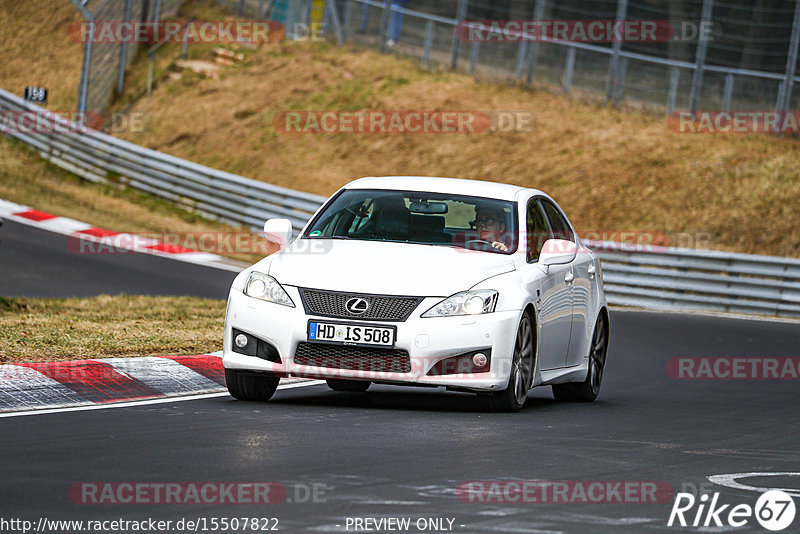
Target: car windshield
column 441, row 219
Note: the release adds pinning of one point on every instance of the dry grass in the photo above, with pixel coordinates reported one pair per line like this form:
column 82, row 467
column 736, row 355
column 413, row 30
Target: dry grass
column 36, row 50
column 611, row 170
column 33, row 330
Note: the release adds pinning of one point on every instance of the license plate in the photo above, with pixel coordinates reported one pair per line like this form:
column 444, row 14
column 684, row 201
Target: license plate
column 351, row 334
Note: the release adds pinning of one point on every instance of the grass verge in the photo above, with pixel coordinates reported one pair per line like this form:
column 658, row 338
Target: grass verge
column 35, row 330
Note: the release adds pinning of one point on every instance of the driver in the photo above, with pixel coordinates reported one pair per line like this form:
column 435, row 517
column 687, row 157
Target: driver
column 489, row 221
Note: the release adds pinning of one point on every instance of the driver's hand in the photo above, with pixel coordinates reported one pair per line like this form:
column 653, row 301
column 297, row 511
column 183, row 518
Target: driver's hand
column 500, row 246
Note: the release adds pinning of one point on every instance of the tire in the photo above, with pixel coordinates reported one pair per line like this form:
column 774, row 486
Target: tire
column 250, row 386
column 513, row 398
column 588, row 390
column 352, row 386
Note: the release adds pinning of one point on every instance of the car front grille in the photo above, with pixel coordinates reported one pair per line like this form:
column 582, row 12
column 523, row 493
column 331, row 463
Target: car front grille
column 352, row 358
column 381, row 307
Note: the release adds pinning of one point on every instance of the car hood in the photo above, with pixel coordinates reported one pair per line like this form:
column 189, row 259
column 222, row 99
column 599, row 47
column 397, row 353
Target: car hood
column 384, row 268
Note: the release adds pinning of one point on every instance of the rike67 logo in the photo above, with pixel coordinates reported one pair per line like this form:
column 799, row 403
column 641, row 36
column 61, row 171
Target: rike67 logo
column 774, row 510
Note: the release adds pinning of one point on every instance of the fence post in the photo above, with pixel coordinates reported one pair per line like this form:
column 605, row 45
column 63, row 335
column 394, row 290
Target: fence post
column 700, row 57
column 727, row 93
column 613, row 63
column 157, row 14
column 521, row 54
column 348, row 18
column 83, row 89
column 151, row 72
column 337, row 27
column 461, row 14
column 622, row 70
column 568, row 69
column 385, row 19
column 538, row 14
column 123, row 51
column 791, row 61
column 185, row 48
column 426, row 53
column 473, row 56
column 674, row 79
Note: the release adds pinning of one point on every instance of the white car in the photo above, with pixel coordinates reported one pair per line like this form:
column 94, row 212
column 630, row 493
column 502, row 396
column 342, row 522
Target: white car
column 475, row 286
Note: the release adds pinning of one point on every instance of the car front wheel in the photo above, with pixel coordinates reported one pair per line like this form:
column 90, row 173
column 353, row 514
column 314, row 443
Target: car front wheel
column 513, row 398
column 250, row 386
column 588, row 390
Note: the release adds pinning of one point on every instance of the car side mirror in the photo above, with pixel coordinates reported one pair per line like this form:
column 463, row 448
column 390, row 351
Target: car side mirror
column 557, row 252
column 278, row 231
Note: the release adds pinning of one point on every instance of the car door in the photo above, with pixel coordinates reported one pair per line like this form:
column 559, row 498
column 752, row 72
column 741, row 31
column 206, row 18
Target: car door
column 580, row 285
column 554, row 292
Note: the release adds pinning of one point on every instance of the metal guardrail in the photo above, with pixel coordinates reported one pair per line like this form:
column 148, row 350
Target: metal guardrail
column 100, row 157
column 634, row 276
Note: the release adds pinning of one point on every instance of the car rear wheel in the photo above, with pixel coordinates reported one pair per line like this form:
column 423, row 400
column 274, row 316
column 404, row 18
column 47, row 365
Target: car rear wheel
column 353, row 386
column 513, row 398
column 588, row 390
column 250, row 386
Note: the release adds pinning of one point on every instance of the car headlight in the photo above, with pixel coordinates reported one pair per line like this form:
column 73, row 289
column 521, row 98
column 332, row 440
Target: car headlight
column 465, row 303
column 264, row 287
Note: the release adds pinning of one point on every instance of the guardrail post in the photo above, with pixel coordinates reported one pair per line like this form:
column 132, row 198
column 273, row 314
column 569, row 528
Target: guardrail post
column 461, row 14
column 123, row 51
column 568, row 69
column 612, row 91
column 700, row 57
column 538, row 14
column 473, row 56
column 426, row 52
column 672, row 95
column 727, row 93
column 791, row 62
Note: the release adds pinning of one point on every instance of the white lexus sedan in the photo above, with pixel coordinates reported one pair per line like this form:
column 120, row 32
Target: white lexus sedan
column 474, row 286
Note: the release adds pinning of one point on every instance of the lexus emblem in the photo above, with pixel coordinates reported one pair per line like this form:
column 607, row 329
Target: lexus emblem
column 356, row 306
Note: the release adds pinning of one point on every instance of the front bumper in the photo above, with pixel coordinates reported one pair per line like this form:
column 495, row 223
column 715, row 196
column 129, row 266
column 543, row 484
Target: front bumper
column 427, row 342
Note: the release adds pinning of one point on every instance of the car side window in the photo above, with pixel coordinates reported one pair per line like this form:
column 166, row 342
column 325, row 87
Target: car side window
column 560, row 226
column 537, row 231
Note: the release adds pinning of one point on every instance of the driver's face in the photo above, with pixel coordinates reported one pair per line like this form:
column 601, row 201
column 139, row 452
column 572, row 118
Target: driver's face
column 488, row 224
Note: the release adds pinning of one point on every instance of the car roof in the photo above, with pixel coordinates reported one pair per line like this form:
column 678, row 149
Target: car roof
column 431, row 184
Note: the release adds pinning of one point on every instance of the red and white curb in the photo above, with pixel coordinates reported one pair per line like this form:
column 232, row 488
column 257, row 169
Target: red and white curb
column 119, row 240
column 47, row 385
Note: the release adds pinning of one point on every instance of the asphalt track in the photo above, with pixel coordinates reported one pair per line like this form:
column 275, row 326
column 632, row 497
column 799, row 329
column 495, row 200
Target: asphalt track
column 38, row 263
column 396, row 452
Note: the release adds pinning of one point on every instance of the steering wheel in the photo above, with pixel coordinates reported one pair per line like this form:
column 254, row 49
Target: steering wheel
column 482, row 241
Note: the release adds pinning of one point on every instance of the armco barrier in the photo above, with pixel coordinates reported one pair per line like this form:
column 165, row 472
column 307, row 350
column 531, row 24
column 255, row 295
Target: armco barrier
column 661, row 278
column 99, row 157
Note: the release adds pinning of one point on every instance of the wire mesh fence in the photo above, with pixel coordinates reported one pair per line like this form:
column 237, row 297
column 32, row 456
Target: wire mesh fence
column 721, row 55
column 106, row 59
